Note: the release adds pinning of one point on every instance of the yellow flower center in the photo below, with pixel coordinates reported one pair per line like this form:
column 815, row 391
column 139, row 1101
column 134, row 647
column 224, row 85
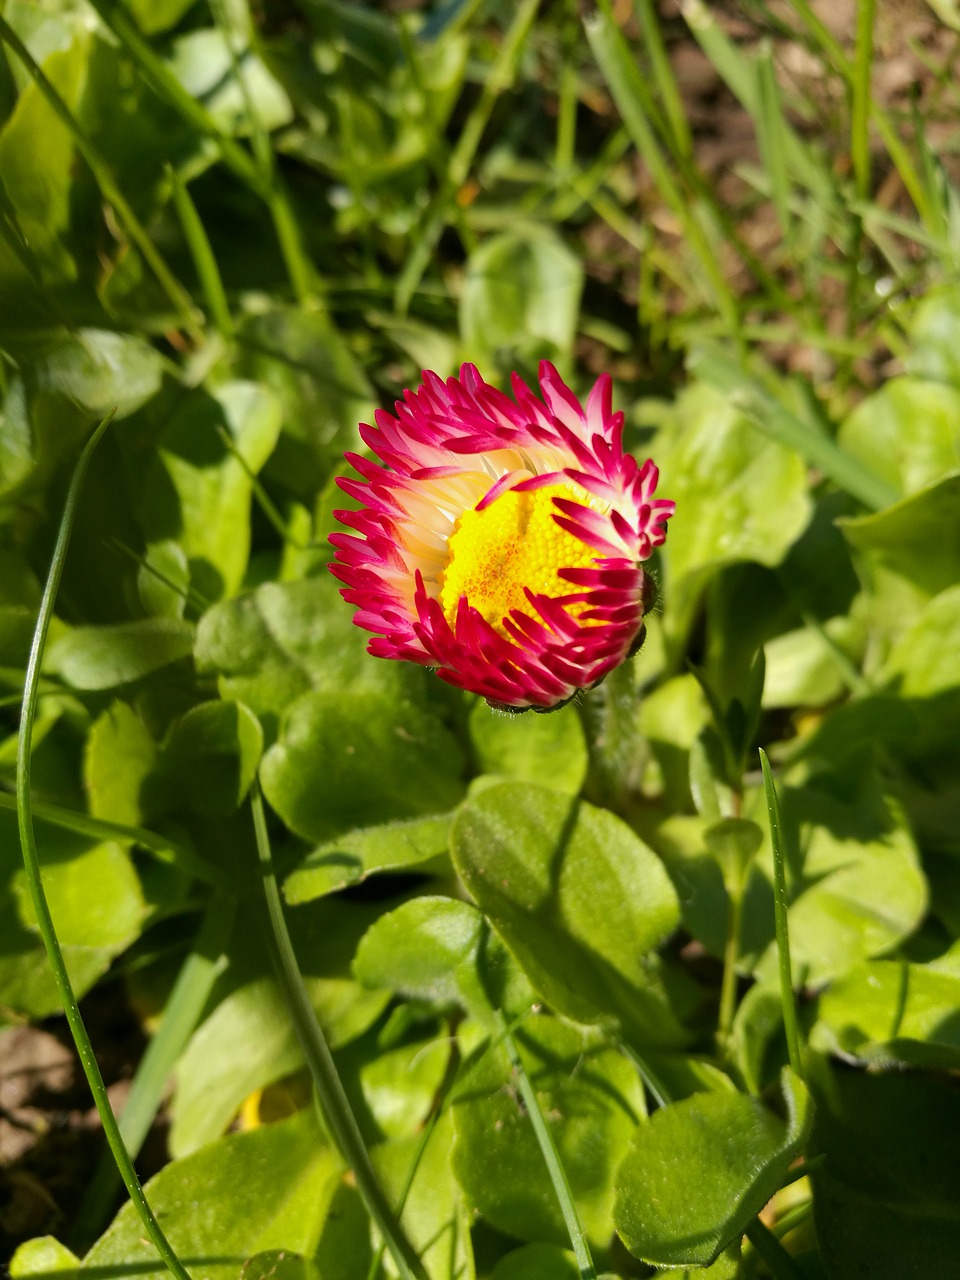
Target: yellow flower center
column 512, row 544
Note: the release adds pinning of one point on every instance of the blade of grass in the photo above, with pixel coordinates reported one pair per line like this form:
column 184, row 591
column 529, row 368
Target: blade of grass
column 740, row 73
column 674, row 111
column 787, row 1002
column 551, row 1156
column 778, row 1262
column 181, row 1014
column 164, row 849
column 198, row 242
column 771, row 135
column 498, row 80
column 860, row 98
column 289, row 236
column 178, row 295
column 446, row 1100
column 336, row 1108
column 633, row 101
column 167, row 86
column 896, row 148
column 34, row 877
column 762, row 409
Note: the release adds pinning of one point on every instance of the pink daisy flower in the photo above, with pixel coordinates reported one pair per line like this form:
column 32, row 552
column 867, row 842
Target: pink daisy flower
column 501, row 542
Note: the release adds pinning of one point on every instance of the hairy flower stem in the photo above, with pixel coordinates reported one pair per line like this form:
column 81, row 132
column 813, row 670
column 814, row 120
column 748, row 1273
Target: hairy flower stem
column 609, row 716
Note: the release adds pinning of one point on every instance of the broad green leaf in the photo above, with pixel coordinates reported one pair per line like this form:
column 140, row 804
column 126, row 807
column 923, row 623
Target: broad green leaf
column 345, row 1249
column 98, row 658
column 425, row 949
column 279, row 1264
column 400, row 1084
column 670, row 718
column 757, row 1024
column 537, row 1262
column 97, row 907
column 700, row 1170
column 926, row 658
column 934, row 330
column 434, row 1214
column 271, row 645
column 802, row 668
column 158, row 15
column 323, row 392
column 739, row 496
column 520, row 300
column 884, row 1198
column 344, row 757
column 198, row 491
column 891, row 1011
column 119, row 754
column 96, row 370
column 264, row 1190
column 579, row 899
column 859, row 889
column 202, row 62
column 44, row 1256
column 352, row 857
column 247, row 1040
column 592, row 1099
column 36, row 155
column 208, row 760
column 908, row 432
column 547, row 749
column 163, row 580
column 917, row 540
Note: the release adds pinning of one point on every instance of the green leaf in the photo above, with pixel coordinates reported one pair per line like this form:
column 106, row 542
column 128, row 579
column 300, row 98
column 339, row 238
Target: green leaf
column 592, row 1099
column 357, row 854
column 917, row 539
column 158, row 15
column 198, row 491
column 802, row 670
column 578, row 898
column 908, row 432
column 926, row 657
column 96, row 658
column 272, row 645
column 279, row 1264
column 343, row 756
column 934, row 331
column 885, row 1202
column 537, row 1262
column 859, row 889
column 890, row 1011
column 434, row 1214
column 119, row 755
column 425, row 949
column 323, row 393
column 739, row 496
column 265, row 1190
column 202, row 62
column 96, row 370
column 208, row 760
column 549, row 749
column 97, row 906
column 699, row 1171
column 43, row 1257
column 248, row 1040
column 520, row 300
column 36, row 155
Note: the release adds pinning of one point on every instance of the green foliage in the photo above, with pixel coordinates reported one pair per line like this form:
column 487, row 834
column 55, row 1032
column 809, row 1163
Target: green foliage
column 245, row 227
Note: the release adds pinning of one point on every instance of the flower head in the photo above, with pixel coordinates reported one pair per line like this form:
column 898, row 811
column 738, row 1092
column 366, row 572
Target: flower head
column 501, row 542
